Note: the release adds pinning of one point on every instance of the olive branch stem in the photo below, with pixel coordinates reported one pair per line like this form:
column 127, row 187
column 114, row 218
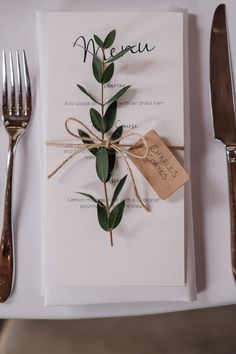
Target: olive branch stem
column 109, row 214
column 105, row 183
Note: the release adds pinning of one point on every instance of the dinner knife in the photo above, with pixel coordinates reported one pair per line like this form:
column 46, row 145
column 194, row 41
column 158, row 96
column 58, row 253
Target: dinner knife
column 223, row 108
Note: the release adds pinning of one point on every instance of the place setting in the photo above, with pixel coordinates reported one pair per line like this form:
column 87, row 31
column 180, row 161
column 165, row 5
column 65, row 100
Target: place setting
column 115, row 154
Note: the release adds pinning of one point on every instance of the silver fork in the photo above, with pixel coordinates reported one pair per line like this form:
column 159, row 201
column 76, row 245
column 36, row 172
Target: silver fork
column 16, row 114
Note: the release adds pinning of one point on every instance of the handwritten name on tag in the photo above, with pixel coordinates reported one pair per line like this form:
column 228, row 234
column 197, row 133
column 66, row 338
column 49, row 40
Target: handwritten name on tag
column 160, row 168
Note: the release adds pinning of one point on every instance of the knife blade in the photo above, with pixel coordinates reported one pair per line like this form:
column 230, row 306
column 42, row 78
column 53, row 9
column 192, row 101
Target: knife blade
column 223, row 108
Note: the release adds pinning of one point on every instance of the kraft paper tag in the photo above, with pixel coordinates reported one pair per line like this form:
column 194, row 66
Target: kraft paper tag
column 160, row 168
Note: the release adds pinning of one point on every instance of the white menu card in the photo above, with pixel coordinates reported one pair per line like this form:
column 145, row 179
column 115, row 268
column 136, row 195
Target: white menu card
column 152, row 255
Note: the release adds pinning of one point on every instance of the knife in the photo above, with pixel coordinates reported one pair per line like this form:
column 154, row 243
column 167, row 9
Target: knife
column 223, row 108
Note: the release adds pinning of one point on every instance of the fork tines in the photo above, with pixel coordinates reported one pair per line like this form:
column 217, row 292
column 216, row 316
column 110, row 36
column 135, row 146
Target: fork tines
column 14, row 102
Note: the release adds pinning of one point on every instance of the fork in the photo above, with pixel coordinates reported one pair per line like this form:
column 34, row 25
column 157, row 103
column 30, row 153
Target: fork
column 16, row 114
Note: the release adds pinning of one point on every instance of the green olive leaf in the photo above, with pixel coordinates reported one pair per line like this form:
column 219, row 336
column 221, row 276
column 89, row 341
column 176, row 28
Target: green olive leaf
column 117, row 133
column 118, row 190
column 103, row 217
column 83, row 136
column 98, row 121
column 109, row 40
column 107, row 73
column 97, row 201
column 112, row 160
column 120, row 54
column 86, row 93
column 98, row 41
column 116, row 215
column 110, row 115
column 97, row 68
column 89, row 196
column 102, row 164
column 118, row 94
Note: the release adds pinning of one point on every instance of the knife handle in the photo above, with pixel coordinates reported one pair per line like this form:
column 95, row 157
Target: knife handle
column 231, row 162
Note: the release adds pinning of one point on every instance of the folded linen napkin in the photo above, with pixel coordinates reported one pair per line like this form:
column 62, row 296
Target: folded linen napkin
column 153, row 254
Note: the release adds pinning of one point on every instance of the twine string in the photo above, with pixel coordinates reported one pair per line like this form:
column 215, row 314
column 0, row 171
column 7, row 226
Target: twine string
column 94, row 142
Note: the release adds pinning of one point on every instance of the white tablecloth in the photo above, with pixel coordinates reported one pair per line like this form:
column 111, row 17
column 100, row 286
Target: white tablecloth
column 215, row 282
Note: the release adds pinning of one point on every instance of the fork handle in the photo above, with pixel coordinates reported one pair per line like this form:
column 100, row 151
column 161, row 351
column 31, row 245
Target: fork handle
column 6, row 243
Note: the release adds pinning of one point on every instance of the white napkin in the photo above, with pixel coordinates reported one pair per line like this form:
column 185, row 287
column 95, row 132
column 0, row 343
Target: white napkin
column 57, row 290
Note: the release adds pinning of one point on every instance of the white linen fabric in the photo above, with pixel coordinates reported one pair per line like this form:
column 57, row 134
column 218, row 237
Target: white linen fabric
column 55, row 289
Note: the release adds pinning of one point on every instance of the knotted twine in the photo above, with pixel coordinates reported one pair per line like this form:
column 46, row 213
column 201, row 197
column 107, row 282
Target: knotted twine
column 96, row 143
column 125, row 150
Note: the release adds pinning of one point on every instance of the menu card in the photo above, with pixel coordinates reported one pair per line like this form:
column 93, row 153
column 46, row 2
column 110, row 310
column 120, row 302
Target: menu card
column 152, row 255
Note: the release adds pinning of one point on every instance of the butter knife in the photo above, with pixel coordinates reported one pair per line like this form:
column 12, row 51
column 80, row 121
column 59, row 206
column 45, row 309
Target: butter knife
column 223, row 108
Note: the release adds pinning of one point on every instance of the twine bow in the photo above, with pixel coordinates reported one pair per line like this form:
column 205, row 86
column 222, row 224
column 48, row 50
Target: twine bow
column 94, row 142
